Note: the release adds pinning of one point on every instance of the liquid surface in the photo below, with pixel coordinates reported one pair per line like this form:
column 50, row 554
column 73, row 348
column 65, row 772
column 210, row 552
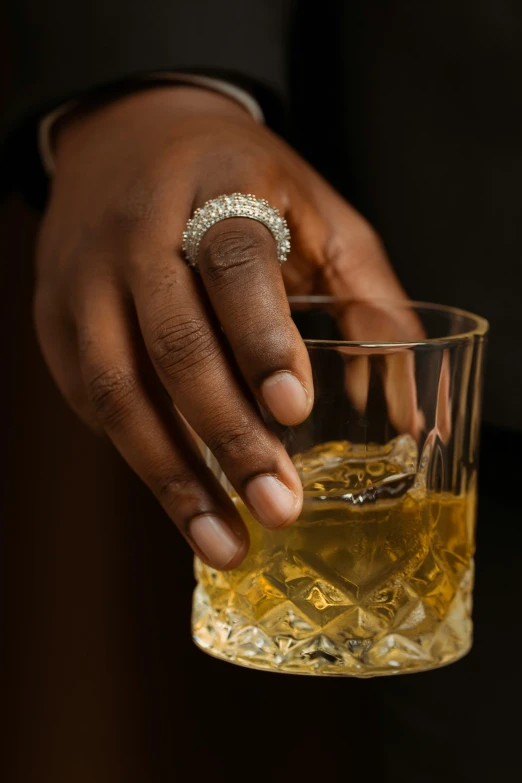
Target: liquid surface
column 374, row 578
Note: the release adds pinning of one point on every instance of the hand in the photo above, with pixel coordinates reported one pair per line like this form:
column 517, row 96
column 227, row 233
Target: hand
column 140, row 345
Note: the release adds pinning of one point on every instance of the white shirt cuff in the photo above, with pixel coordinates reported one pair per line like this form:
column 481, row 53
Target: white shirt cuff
column 241, row 96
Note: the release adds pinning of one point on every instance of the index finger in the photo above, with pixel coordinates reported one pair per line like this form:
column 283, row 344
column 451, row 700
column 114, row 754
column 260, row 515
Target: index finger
column 242, row 276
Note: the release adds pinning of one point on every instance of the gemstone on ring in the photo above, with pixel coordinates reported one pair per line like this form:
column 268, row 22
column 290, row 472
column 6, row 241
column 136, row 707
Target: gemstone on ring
column 234, row 205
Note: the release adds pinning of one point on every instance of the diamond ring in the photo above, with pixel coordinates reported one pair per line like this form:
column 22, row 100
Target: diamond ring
column 231, row 206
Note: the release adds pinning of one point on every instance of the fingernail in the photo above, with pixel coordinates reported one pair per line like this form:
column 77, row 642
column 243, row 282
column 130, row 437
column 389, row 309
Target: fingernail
column 273, row 503
column 286, row 398
column 215, row 539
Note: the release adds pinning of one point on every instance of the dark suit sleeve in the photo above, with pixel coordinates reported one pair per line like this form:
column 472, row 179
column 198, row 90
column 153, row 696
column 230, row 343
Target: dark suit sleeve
column 61, row 50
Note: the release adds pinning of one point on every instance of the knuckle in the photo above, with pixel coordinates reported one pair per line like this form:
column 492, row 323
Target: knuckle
column 350, row 252
column 183, row 342
column 172, row 488
column 264, row 350
column 245, row 165
column 340, row 257
column 109, row 391
column 230, row 443
column 229, row 250
column 336, row 250
column 135, row 212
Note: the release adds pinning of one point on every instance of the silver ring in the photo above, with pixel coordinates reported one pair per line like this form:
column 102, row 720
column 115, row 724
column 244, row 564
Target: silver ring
column 231, row 206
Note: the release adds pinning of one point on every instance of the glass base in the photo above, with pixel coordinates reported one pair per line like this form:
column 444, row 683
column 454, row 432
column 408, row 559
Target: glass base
column 285, row 642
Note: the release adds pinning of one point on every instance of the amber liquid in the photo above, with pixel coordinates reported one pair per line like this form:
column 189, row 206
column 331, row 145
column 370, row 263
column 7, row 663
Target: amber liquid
column 374, row 578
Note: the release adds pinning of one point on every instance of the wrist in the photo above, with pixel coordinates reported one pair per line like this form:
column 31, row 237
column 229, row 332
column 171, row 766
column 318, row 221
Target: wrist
column 142, row 105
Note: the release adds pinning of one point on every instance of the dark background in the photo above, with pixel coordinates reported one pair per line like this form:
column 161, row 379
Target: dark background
column 101, row 681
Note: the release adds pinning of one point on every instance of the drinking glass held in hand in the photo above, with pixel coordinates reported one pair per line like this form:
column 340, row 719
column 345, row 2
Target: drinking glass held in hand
column 376, row 575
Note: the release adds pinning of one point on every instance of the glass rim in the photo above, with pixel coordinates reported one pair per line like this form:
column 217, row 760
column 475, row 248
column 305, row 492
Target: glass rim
column 480, row 330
